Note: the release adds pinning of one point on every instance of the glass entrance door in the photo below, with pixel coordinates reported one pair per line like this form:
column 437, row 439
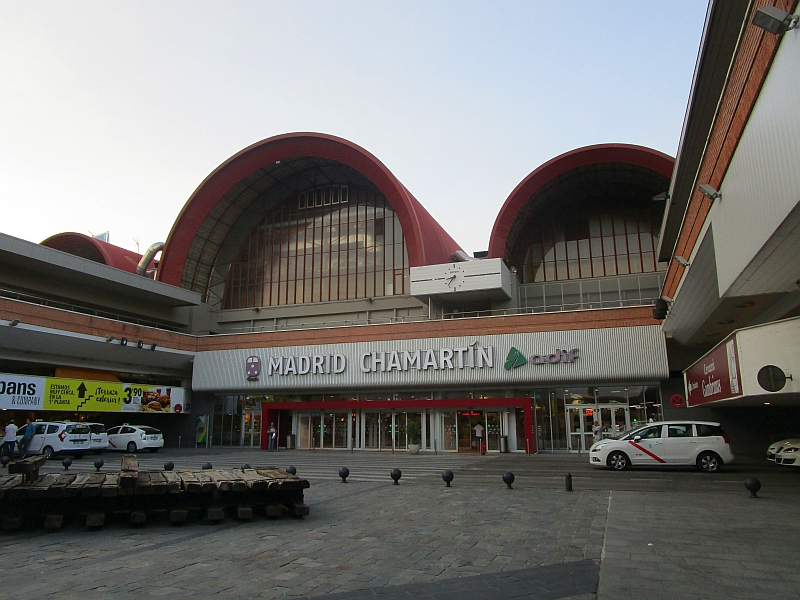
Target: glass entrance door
column 493, row 430
column 579, row 428
column 614, row 420
column 251, row 428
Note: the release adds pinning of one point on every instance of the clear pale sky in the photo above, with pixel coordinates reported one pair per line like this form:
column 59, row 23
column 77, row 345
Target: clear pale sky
column 112, row 113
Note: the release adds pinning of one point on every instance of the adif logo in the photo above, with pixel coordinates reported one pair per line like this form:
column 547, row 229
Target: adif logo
column 516, row 359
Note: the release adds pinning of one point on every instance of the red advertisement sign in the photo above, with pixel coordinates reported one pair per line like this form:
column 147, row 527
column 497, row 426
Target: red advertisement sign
column 714, row 377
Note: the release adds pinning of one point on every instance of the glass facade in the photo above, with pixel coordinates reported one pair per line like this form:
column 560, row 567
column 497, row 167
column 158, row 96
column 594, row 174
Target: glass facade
column 563, row 418
column 599, row 245
column 331, row 242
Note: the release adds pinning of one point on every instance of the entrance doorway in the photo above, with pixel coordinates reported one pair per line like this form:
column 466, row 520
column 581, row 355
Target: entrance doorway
column 580, row 420
column 467, row 420
column 251, row 428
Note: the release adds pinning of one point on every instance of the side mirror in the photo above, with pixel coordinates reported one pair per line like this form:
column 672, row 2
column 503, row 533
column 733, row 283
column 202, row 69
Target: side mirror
column 637, row 439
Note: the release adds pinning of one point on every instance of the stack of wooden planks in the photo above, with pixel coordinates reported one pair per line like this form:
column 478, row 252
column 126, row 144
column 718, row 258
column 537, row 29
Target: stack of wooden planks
column 139, row 494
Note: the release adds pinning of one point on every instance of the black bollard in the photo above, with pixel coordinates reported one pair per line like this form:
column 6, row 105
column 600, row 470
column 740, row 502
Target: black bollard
column 569, row 482
column 508, row 479
column 5, row 460
column 169, row 465
column 246, row 466
column 98, row 464
column 207, row 466
column 753, row 485
column 396, row 474
column 447, row 476
column 66, row 462
column 344, row 473
column 291, row 471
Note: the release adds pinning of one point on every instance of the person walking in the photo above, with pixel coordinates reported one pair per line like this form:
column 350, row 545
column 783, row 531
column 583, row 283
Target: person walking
column 9, row 439
column 272, row 436
column 479, row 436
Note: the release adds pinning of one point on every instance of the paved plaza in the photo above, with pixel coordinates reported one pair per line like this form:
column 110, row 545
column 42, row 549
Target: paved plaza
column 645, row 533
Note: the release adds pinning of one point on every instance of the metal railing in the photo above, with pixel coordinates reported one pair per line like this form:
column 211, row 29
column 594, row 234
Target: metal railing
column 581, row 294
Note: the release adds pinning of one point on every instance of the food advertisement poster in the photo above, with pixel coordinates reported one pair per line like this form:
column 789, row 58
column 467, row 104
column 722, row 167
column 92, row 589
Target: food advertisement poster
column 20, row 392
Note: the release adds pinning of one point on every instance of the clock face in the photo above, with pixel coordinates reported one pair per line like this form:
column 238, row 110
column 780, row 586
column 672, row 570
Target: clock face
column 452, row 278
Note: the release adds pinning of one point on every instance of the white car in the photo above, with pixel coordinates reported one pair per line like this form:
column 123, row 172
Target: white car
column 98, row 438
column 778, row 446
column 788, row 453
column 55, row 437
column 132, row 438
column 699, row 443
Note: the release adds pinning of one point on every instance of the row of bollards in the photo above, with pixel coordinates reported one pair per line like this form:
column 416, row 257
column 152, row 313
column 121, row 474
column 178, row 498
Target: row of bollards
column 752, row 484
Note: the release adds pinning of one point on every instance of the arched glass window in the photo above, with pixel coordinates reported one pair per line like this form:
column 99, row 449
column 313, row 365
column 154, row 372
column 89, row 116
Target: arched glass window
column 597, row 245
column 327, row 243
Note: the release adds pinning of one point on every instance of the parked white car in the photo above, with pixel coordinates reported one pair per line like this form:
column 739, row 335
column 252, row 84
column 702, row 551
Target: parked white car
column 699, row 443
column 56, row 437
column 788, row 453
column 778, row 446
column 132, row 438
column 98, row 440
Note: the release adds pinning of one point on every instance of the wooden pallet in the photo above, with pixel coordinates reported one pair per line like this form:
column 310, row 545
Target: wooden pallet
column 176, row 495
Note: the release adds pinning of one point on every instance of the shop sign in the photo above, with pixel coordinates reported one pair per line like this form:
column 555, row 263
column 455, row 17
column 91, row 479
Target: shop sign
column 20, row 392
column 465, row 357
column 715, row 376
column 516, row 358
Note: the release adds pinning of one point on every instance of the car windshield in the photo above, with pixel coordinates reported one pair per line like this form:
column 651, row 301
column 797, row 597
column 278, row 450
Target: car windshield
column 630, row 432
column 77, row 429
column 150, row 430
column 97, row 428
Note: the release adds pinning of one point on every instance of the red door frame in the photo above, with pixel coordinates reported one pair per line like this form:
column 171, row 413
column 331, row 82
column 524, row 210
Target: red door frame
column 269, row 410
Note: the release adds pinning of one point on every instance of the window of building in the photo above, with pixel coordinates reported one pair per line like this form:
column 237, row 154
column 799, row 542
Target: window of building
column 334, row 242
column 600, row 245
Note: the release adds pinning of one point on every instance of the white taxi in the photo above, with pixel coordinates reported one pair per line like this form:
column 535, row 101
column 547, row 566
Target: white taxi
column 787, row 453
column 56, row 437
column 699, row 443
column 778, row 447
column 132, row 438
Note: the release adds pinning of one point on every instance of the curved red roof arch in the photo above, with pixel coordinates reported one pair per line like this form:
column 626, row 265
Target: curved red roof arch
column 426, row 240
column 111, row 255
column 588, row 155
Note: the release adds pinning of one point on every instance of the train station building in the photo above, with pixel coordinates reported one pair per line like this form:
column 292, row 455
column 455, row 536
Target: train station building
column 303, row 285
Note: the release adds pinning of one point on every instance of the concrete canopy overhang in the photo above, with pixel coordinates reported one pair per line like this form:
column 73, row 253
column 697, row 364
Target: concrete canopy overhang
column 33, row 268
column 730, row 373
column 34, row 344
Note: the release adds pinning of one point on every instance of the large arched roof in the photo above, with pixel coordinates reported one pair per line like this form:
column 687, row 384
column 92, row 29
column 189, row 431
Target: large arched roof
column 99, row 251
column 205, row 220
column 615, row 161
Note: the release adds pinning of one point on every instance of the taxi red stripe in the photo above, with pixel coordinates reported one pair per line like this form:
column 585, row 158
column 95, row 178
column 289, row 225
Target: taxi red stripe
column 646, row 451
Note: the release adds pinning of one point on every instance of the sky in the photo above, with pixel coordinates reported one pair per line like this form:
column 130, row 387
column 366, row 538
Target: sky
column 112, row 113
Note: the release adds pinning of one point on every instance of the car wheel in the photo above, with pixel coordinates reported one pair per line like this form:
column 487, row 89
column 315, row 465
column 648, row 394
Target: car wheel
column 709, row 462
column 153, row 449
column 131, row 447
column 618, row 461
column 48, row 453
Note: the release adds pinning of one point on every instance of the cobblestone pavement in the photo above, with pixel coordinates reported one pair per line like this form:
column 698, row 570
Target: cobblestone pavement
column 421, row 539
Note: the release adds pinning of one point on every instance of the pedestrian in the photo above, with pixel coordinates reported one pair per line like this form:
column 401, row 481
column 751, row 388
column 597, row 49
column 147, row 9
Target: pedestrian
column 597, row 431
column 479, row 436
column 26, row 437
column 272, row 436
column 9, row 439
